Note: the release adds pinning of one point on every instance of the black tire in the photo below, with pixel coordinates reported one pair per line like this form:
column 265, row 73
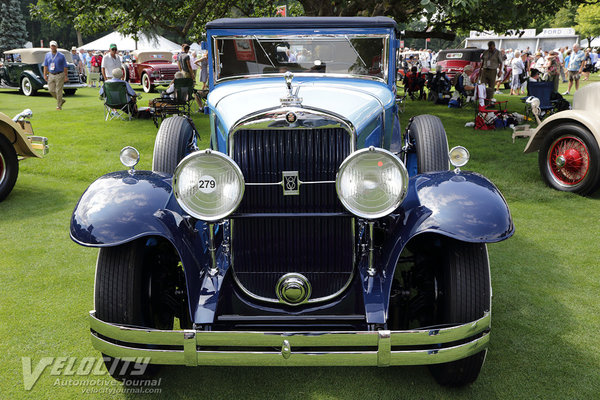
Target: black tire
column 70, row 92
column 146, row 85
column 9, row 167
column 127, row 278
column 431, row 144
column 465, row 296
column 27, row 87
column 576, row 176
column 172, row 143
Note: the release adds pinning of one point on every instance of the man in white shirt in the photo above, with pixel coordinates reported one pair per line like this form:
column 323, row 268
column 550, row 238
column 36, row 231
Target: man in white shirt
column 110, row 62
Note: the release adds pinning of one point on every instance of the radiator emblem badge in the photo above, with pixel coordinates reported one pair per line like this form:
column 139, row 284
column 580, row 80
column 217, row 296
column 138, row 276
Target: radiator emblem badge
column 291, row 117
column 290, row 183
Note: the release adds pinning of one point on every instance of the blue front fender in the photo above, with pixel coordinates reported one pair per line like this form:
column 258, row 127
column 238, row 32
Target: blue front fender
column 121, row 207
column 464, row 206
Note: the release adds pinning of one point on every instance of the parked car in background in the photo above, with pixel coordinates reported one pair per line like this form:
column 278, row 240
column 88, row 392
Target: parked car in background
column 453, row 61
column 23, row 70
column 568, row 144
column 151, row 69
column 17, row 142
column 311, row 232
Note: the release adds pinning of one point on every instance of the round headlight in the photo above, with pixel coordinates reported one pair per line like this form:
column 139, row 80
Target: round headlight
column 208, row 185
column 371, row 183
column 459, row 156
column 129, row 156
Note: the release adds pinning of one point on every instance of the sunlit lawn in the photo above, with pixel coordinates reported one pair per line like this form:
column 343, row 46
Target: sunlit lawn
column 545, row 340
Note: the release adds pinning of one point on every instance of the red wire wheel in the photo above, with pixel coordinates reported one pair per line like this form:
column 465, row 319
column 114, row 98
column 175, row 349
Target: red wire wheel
column 570, row 159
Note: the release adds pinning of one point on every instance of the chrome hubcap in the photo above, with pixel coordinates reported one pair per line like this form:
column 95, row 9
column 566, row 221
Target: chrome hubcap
column 560, row 161
column 293, row 289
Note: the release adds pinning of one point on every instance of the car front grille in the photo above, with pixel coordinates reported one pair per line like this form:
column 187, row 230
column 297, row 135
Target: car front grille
column 264, row 248
column 73, row 75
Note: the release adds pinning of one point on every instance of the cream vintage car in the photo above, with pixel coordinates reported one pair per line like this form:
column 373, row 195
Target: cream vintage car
column 17, row 142
column 567, row 142
column 23, row 70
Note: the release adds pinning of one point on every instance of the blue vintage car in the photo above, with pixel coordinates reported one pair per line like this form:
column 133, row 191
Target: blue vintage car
column 311, row 232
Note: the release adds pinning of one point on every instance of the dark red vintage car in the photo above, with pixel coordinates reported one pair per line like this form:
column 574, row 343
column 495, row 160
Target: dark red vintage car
column 151, row 69
column 453, row 61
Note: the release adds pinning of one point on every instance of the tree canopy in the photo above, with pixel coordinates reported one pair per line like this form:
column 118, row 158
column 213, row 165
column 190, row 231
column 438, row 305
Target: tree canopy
column 588, row 21
column 186, row 18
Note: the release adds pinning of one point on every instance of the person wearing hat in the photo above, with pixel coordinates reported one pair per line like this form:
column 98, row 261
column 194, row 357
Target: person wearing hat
column 76, row 59
column 117, row 76
column 110, row 62
column 56, row 73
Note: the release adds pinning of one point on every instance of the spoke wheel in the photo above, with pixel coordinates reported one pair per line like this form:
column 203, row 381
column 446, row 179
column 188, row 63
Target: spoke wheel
column 569, row 159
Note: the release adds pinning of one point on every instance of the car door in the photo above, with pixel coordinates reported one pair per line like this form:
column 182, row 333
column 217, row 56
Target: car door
column 14, row 69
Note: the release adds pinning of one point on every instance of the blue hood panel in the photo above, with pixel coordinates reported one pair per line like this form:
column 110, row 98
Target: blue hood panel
column 356, row 100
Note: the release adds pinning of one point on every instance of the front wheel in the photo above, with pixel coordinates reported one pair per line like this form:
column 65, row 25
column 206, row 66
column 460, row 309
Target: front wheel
column 428, row 136
column 146, row 84
column 173, row 142
column 139, row 284
column 27, row 87
column 465, row 296
column 569, row 159
column 9, row 167
column 70, row 92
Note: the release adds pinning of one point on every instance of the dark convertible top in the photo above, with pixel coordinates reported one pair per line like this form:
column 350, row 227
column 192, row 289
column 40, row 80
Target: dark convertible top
column 303, row 22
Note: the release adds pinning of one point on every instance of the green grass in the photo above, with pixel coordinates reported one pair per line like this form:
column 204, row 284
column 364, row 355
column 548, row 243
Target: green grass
column 545, row 340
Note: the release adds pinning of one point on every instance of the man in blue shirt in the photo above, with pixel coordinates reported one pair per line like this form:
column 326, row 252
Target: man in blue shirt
column 575, row 66
column 56, row 73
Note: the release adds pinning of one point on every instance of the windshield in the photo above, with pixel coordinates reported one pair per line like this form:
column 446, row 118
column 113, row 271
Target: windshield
column 359, row 55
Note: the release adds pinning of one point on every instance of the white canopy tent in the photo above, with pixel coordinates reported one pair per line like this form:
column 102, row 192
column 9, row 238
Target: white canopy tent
column 128, row 43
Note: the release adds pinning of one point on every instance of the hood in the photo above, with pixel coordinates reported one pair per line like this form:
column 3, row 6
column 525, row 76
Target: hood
column 163, row 66
column 355, row 100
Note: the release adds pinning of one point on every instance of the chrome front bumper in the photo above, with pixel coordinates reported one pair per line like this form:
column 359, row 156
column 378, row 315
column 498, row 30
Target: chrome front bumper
column 157, row 82
column 377, row 348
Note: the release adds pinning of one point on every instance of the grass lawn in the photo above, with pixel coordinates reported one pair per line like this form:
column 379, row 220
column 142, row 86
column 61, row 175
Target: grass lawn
column 545, row 341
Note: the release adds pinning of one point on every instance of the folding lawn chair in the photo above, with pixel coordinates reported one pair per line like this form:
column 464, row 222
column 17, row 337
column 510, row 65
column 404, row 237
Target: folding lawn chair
column 487, row 111
column 177, row 104
column 116, row 104
column 543, row 91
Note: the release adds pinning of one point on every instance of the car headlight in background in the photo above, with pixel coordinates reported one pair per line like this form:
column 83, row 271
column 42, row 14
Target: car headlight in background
column 371, row 183
column 208, row 185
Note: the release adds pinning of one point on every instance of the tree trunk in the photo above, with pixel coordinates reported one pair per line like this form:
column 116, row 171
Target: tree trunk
column 79, row 39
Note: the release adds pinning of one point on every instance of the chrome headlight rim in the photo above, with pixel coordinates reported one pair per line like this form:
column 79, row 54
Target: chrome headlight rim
column 387, row 211
column 236, row 169
column 454, row 159
column 129, row 156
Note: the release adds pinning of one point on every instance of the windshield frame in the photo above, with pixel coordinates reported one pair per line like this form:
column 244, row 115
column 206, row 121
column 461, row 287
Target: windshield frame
column 345, row 36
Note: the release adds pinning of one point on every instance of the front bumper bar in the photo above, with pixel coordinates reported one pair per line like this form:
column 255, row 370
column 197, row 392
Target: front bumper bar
column 241, row 348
